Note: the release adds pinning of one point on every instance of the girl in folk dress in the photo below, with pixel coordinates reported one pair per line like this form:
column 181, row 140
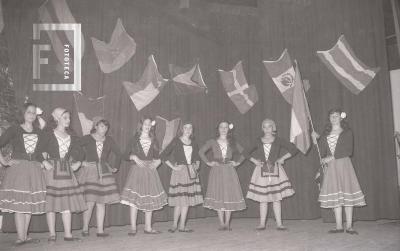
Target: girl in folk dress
column 96, row 176
column 340, row 187
column 23, row 189
column 58, row 149
column 224, row 193
column 185, row 189
column 143, row 189
column 269, row 182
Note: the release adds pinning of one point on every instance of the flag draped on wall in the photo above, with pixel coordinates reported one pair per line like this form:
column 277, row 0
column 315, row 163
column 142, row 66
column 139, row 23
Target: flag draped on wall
column 348, row 69
column 57, row 11
column 243, row 95
column 148, row 87
column 88, row 108
column 300, row 124
column 117, row 52
column 187, row 81
column 166, row 131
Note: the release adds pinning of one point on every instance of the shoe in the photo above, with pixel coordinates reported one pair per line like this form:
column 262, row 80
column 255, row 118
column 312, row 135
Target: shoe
column 32, row 240
column 351, row 231
column 85, row 233
column 336, row 231
column 52, row 239
column 72, row 239
column 281, row 228
column 222, row 228
column 132, row 233
column 19, row 242
column 102, row 235
column 153, row 231
column 186, row 230
column 259, row 228
column 172, row 230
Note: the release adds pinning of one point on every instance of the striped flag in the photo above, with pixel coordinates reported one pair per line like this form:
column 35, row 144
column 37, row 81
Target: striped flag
column 187, row 81
column 166, row 131
column 348, row 69
column 243, row 95
column 148, row 87
column 117, row 52
column 57, row 11
column 300, row 125
column 88, row 108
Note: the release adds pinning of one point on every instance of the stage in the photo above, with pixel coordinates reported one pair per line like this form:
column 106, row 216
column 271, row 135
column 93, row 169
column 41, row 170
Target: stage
column 302, row 235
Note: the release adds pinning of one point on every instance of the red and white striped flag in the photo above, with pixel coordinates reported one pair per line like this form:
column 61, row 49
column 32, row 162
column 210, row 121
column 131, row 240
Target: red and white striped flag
column 187, row 81
column 300, row 124
column 88, row 108
column 166, row 131
column 57, row 11
column 117, row 52
column 243, row 95
column 348, row 69
column 148, row 87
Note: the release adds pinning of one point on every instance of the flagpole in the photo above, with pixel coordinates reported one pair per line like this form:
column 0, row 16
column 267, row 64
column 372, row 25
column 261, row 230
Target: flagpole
column 310, row 118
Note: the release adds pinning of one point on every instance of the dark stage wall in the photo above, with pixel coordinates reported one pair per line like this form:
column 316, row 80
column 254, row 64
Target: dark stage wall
column 301, row 26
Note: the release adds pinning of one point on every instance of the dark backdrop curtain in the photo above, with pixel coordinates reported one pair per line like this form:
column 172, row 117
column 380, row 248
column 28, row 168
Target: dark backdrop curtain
column 226, row 36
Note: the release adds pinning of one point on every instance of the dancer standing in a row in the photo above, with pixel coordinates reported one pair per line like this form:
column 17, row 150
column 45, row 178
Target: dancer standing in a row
column 58, row 151
column 182, row 157
column 340, row 187
column 143, row 189
column 269, row 182
column 23, row 189
column 224, row 193
column 100, row 187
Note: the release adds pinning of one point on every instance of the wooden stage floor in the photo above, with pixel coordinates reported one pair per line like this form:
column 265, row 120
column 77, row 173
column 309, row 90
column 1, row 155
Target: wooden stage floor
column 302, row 235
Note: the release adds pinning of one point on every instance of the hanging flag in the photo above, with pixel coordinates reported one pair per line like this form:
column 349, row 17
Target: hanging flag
column 57, row 11
column 348, row 69
column 187, row 81
column 242, row 95
column 282, row 73
column 166, row 131
column 148, row 87
column 300, row 124
column 88, row 108
column 1, row 16
column 117, row 52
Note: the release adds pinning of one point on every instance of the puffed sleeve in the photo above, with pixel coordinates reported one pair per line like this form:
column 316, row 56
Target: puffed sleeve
column 195, row 154
column 204, row 149
column 41, row 147
column 240, row 157
column 6, row 137
column 347, row 146
column 288, row 146
column 79, row 154
column 168, row 150
column 117, row 152
column 156, row 149
column 130, row 149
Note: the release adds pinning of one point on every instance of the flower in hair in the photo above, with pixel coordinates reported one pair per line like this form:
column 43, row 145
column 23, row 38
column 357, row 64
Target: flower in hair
column 343, row 115
column 153, row 123
column 230, row 126
column 39, row 111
